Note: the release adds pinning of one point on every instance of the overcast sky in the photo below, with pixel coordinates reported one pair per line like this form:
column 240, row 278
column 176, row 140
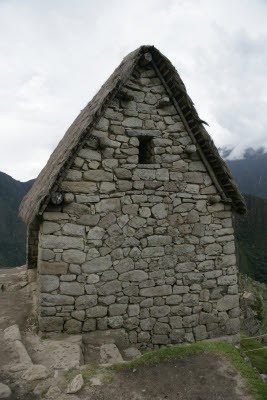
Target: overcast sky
column 55, row 55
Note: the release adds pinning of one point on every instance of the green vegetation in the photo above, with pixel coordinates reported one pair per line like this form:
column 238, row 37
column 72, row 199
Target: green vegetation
column 44, row 337
column 88, row 372
column 257, row 358
column 251, row 238
column 252, row 379
column 43, row 393
column 12, row 229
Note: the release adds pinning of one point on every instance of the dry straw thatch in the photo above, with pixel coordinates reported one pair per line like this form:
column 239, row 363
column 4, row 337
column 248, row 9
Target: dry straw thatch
column 40, row 191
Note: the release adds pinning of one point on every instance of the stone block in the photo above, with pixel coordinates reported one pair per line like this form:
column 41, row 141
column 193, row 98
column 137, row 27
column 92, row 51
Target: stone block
column 72, row 288
column 124, row 265
column 52, row 268
column 48, row 283
column 159, row 311
column 177, row 335
column 159, row 240
column 97, row 312
column 134, row 276
column 85, row 302
column 61, row 242
column 55, row 299
column 174, row 299
column 109, row 288
column 228, row 302
column 73, row 256
column 51, row 324
column 190, row 321
column 147, row 324
column 117, row 309
column 49, row 227
column 153, row 252
column 88, row 220
column 176, row 322
column 79, row 187
column 89, row 325
column 73, row 326
column 227, row 280
column 115, row 322
column 160, row 211
column 200, row 332
column 190, row 299
column 98, row 175
column 155, row 291
column 99, row 264
column 108, row 205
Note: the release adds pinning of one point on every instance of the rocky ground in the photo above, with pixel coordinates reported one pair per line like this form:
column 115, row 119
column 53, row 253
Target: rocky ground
column 77, row 367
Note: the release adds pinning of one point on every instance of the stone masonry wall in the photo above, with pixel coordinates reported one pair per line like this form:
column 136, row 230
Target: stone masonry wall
column 139, row 247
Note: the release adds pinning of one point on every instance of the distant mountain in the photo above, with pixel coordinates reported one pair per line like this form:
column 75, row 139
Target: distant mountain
column 251, row 238
column 12, row 229
column 250, row 173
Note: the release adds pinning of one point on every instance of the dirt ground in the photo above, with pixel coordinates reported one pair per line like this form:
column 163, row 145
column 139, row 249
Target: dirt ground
column 201, row 377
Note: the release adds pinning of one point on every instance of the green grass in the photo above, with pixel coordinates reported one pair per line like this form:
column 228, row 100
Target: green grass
column 251, row 377
column 43, row 393
column 257, row 358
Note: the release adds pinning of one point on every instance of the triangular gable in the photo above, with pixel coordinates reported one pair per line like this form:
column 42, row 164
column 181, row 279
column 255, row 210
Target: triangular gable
column 36, row 199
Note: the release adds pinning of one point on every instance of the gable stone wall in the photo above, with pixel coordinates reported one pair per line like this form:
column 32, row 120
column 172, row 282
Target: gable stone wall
column 139, row 247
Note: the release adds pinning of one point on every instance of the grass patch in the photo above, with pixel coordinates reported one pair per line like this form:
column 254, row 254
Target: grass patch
column 257, row 358
column 43, row 393
column 89, row 371
column 252, row 379
column 44, row 337
column 107, row 379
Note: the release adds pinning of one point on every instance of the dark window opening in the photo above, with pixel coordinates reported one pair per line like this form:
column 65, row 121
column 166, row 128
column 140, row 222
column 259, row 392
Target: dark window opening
column 145, row 151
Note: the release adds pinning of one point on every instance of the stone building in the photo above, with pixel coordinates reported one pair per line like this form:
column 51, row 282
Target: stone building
column 130, row 221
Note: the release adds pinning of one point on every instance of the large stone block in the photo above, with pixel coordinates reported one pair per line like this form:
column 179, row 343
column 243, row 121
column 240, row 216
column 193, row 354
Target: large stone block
column 79, row 187
column 97, row 312
column 99, row 264
column 73, row 326
column 49, row 227
column 124, row 265
column 117, row 309
column 90, row 155
column 61, row 242
column 111, row 287
column 73, row 256
column 160, row 211
column 159, row 311
column 108, row 205
column 48, row 283
column 228, row 302
column 52, row 268
column 98, row 175
column 51, row 324
column 159, row 240
column 86, row 301
column 55, row 300
column 153, row 252
column 72, row 288
column 73, row 230
column 134, row 276
column 163, row 290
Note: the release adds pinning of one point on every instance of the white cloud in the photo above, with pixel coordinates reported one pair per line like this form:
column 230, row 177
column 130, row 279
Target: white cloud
column 56, row 55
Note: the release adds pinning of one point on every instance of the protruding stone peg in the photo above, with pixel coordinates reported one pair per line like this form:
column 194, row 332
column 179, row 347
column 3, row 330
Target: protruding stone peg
column 145, row 59
column 165, row 101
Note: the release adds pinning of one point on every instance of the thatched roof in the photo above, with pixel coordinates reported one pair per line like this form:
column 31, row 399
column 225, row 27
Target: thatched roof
column 40, row 191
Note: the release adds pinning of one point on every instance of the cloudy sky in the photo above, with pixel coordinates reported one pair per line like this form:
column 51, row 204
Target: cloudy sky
column 55, row 55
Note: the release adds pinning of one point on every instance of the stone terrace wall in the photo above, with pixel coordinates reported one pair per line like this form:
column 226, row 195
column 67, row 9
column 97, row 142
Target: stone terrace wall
column 138, row 247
